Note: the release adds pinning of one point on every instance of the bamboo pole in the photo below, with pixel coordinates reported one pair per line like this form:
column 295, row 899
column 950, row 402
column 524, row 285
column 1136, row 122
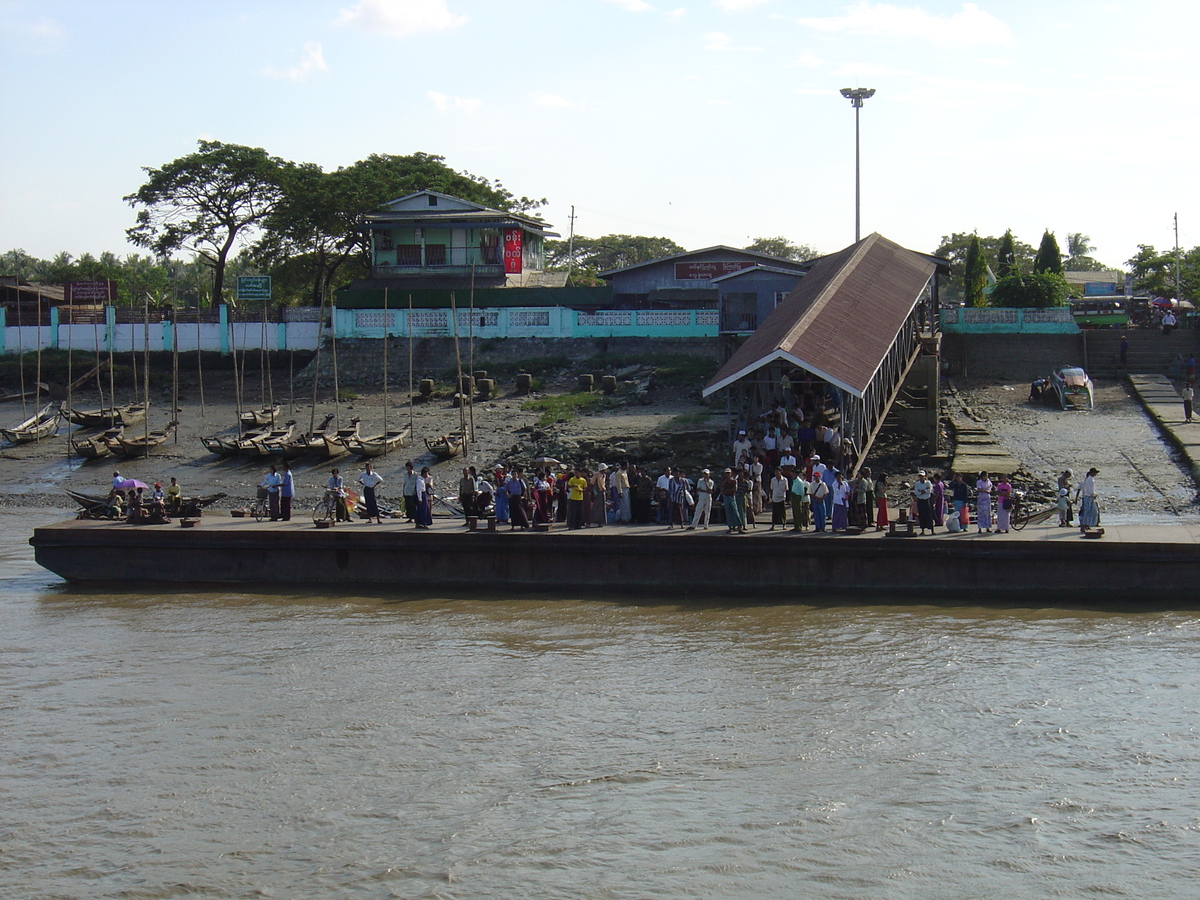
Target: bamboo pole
column 462, row 412
column 412, row 430
column 385, row 371
column 471, row 351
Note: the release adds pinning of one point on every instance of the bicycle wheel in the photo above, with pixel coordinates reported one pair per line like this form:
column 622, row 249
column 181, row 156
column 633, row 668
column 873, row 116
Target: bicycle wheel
column 260, row 510
column 323, row 512
column 1020, row 518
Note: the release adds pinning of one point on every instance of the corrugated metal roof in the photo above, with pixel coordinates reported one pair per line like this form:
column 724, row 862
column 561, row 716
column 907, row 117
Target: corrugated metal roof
column 721, row 248
column 841, row 319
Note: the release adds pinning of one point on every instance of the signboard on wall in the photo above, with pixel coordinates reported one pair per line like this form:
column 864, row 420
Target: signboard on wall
column 254, row 287
column 703, row 271
column 513, row 249
column 91, row 293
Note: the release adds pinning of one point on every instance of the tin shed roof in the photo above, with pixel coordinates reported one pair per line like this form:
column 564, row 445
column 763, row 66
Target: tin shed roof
column 841, row 319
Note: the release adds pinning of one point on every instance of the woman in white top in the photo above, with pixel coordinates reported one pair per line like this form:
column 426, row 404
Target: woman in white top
column 1089, row 512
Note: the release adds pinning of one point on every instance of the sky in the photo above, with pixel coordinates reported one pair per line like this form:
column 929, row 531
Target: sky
column 704, row 121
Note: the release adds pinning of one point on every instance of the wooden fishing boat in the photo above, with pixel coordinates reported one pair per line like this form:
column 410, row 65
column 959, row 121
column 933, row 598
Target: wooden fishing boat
column 107, row 417
column 41, row 424
column 268, row 415
column 447, row 446
column 97, row 507
column 300, row 444
column 144, row 444
column 222, row 446
column 336, row 444
column 257, row 444
column 97, row 446
column 379, row 444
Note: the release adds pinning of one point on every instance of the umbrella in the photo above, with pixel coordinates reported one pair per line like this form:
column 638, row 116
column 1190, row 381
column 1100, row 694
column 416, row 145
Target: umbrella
column 130, row 484
column 546, row 461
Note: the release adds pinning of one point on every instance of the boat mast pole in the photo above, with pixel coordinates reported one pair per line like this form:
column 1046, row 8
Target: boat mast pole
column 266, row 370
column 175, row 366
column 237, row 379
column 385, row 371
column 412, row 431
column 146, row 379
column 21, row 358
column 316, row 365
column 37, row 384
column 337, row 391
column 70, row 375
column 462, row 411
column 471, row 350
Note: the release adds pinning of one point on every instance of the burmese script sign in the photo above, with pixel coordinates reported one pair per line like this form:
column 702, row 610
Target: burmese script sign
column 91, row 293
column 703, row 271
column 513, row 250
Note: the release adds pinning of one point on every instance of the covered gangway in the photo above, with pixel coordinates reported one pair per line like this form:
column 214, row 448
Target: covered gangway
column 858, row 321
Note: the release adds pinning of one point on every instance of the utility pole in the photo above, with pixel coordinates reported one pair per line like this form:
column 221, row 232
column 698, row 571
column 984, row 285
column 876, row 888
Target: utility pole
column 571, row 245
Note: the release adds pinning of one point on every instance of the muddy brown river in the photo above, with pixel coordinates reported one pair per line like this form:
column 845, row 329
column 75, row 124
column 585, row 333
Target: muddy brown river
column 226, row 744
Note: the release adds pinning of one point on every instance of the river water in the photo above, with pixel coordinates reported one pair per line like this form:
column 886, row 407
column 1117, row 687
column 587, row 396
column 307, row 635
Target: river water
column 224, row 744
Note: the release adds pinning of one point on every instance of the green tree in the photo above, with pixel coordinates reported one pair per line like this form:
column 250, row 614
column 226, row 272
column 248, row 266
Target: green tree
column 314, row 232
column 1006, row 256
column 612, row 251
column 1079, row 254
column 1049, row 259
column 954, row 249
column 1153, row 272
column 208, row 203
column 782, row 248
column 1038, row 290
column 974, row 274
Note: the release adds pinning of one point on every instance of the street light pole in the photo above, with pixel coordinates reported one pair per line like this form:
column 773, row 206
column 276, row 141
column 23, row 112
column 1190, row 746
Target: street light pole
column 856, row 96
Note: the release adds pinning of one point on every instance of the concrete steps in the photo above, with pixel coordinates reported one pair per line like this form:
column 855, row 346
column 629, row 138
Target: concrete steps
column 1150, row 351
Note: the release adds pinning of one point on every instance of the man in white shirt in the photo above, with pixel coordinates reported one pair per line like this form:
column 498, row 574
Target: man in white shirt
column 370, row 480
column 704, row 494
column 740, row 446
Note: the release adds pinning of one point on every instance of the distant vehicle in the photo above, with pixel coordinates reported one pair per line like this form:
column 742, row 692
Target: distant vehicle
column 1101, row 312
column 1072, row 387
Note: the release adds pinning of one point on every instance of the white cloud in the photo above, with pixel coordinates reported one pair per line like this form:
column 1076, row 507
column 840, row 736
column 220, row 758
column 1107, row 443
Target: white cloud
column 312, row 61
column 552, row 101
column 719, row 42
column 737, row 5
column 40, row 35
column 971, row 26
column 807, row 61
column 677, row 15
column 447, row 104
column 633, row 5
column 401, row 18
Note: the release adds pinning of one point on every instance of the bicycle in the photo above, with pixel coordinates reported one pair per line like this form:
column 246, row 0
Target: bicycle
column 326, row 509
column 1021, row 515
column 261, row 510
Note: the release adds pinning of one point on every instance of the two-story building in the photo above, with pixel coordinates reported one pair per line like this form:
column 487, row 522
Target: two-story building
column 432, row 240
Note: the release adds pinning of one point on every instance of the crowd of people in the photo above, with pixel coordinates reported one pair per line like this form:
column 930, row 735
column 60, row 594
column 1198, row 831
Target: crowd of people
column 128, row 499
column 778, row 477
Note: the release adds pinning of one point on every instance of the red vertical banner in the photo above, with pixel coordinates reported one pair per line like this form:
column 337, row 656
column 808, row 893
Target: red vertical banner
column 513, row 248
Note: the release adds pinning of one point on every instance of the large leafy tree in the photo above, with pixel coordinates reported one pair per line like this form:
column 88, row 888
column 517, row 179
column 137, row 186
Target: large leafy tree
column 1153, row 272
column 208, row 202
column 783, row 248
column 612, row 251
column 313, row 231
column 1035, row 289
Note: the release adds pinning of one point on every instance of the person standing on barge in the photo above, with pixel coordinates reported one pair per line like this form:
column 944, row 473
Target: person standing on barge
column 1089, row 511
